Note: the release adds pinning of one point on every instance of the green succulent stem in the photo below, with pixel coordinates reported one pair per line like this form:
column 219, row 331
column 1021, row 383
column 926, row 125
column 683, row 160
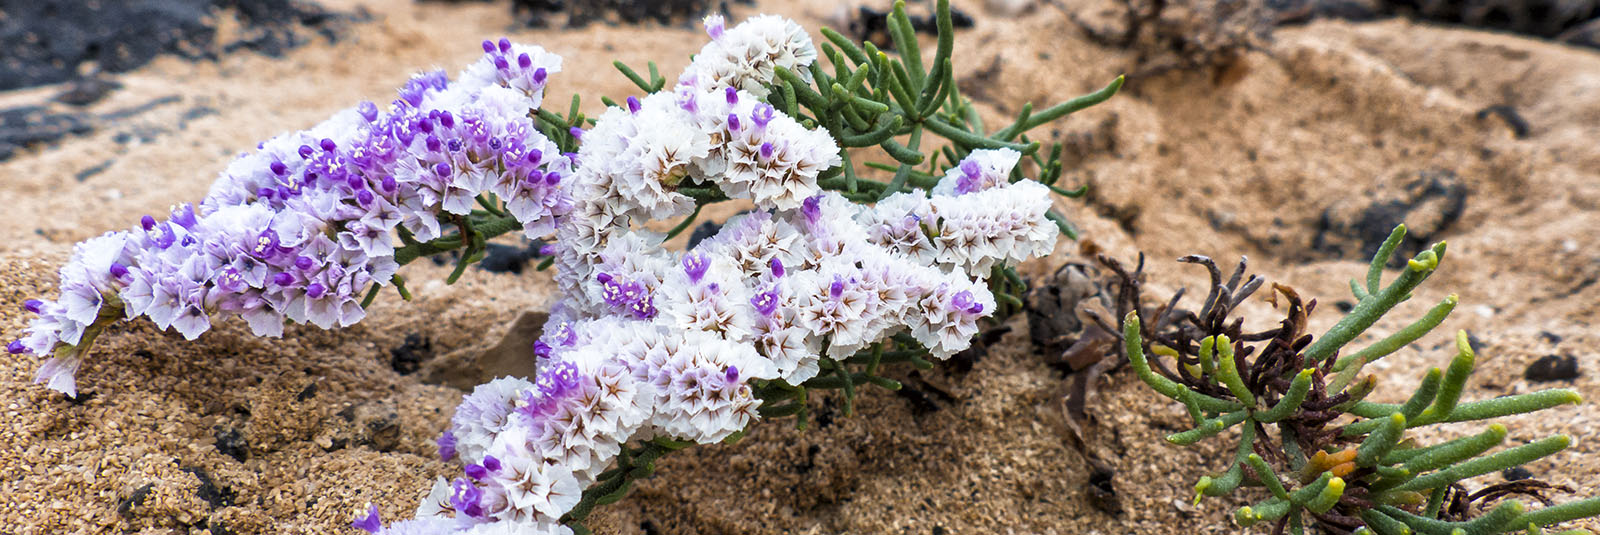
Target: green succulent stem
column 1376, row 305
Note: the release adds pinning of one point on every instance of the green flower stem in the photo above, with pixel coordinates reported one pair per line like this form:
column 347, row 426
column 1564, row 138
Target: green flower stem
column 1061, row 110
column 1400, row 338
column 1211, row 427
column 684, row 225
column 488, row 229
column 849, row 47
column 905, row 41
column 849, row 389
column 1381, row 259
column 1368, row 311
column 1424, row 396
column 1357, row 290
column 972, row 140
column 1208, row 356
column 1327, row 497
column 1496, row 520
column 1559, row 513
column 647, row 87
column 1420, row 460
column 1383, row 524
column 1455, row 380
column 1493, row 522
column 1381, row 441
column 1167, row 387
column 1062, row 225
column 1298, row 388
column 1491, row 463
column 1267, row 477
column 1231, row 479
column 1476, row 410
column 1269, row 510
column 1228, row 372
column 1306, row 494
column 1509, row 405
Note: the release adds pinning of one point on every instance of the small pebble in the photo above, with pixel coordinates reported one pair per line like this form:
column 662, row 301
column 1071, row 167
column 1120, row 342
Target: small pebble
column 1552, row 368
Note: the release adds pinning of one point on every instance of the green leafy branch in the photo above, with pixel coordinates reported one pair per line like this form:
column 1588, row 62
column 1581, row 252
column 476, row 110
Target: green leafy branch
column 1364, row 476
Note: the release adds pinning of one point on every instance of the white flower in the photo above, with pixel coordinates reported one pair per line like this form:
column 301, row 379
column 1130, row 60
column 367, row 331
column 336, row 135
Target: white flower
column 658, row 157
column 535, row 490
column 982, row 169
column 1002, row 224
column 524, row 68
column 947, row 315
column 752, row 241
column 483, row 414
column 707, row 293
column 746, row 56
column 701, row 385
column 769, row 158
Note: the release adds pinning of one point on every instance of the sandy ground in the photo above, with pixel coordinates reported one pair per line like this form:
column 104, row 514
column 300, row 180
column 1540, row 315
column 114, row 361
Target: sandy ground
column 234, row 434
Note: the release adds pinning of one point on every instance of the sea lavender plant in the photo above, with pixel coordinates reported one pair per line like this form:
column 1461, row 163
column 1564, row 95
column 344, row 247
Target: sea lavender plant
column 830, row 277
column 1301, row 411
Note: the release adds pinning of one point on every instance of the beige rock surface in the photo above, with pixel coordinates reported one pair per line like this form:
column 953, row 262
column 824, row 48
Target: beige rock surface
column 1322, row 115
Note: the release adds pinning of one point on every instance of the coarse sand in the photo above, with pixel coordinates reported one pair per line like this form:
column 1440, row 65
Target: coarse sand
column 236, row 434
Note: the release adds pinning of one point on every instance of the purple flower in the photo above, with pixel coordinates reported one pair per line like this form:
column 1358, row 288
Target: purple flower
column 476, row 471
column 766, row 150
column 491, row 464
column 836, row 289
column 715, row 26
column 184, row 216
column 147, row 222
column 731, row 94
column 447, row 446
column 777, row 267
column 762, row 115
column 368, row 110
column 577, row 133
column 695, row 265
column 812, row 208
column 33, row 305
column 765, row 302
column 964, row 301
column 566, row 376
column 732, row 375
column 16, row 347
column 467, row 498
column 266, row 244
column 371, row 523
column 231, row 281
column 633, row 104
column 733, row 122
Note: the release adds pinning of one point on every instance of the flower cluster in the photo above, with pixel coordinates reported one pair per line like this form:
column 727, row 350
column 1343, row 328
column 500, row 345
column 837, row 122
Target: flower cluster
column 648, row 343
column 645, row 344
column 299, row 229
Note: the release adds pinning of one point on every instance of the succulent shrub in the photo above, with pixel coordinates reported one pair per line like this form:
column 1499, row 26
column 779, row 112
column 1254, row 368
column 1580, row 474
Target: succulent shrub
column 1326, row 457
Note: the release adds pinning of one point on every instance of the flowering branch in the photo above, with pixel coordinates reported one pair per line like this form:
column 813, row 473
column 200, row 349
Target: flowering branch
column 831, row 277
